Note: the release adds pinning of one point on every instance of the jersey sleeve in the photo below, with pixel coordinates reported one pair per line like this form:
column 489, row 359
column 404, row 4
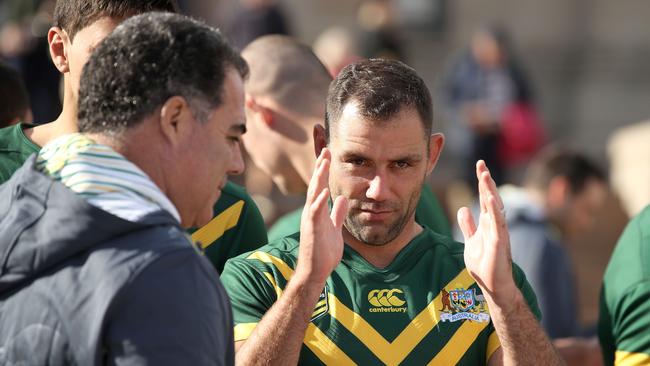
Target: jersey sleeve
column 248, row 235
column 252, row 292
column 237, row 227
column 630, row 326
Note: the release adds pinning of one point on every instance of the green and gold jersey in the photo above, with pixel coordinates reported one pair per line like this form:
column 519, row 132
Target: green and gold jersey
column 237, row 227
column 15, row 148
column 424, row 308
column 428, row 213
column 624, row 322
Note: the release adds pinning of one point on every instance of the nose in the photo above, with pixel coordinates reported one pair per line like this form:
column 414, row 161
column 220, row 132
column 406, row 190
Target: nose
column 237, row 162
column 378, row 188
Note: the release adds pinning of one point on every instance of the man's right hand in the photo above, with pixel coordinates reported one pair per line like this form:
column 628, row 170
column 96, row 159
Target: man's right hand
column 277, row 338
column 321, row 238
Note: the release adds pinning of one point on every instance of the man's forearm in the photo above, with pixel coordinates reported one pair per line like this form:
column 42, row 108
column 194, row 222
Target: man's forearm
column 523, row 340
column 278, row 337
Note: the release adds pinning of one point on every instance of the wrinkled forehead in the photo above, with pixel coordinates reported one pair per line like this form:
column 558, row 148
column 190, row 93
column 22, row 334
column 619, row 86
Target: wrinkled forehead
column 402, row 132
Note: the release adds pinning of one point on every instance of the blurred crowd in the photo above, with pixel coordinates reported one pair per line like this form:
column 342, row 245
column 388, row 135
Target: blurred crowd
column 555, row 196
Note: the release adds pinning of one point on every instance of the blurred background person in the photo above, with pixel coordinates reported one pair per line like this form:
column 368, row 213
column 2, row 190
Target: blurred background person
column 562, row 191
column 379, row 38
column 481, row 87
column 256, row 18
column 14, row 100
column 336, row 47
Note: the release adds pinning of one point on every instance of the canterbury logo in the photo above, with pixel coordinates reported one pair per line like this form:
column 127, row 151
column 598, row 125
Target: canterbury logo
column 385, row 298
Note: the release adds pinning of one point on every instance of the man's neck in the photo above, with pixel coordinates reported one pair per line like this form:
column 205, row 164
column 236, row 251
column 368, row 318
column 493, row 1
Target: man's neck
column 382, row 256
column 66, row 123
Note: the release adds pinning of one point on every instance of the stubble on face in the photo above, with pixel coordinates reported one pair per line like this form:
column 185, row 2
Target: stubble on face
column 375, row 234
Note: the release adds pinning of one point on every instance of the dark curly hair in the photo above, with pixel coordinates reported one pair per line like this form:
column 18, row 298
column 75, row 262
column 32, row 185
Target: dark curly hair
column 381, row 88
column 147, row 60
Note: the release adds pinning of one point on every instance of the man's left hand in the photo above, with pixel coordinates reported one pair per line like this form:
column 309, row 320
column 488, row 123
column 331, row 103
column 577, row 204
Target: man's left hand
column 487, row 247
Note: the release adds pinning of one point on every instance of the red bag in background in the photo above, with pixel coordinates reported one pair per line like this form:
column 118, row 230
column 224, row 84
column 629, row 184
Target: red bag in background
column 522, row 134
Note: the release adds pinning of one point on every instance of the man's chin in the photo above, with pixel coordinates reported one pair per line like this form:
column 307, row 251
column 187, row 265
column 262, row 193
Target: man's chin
column 374, row 236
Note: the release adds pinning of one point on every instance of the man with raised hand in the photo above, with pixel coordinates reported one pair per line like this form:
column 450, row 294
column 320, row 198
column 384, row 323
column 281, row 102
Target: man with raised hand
column 285, row 102
column 366, row 284
column 96, row 267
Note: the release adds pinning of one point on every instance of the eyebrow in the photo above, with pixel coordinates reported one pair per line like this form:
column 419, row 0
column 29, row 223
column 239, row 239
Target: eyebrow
column 410, row 157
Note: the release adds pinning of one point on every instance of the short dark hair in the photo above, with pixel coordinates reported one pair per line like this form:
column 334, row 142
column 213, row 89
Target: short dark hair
column 14, row 99
column 147, row 60
column 74, row 15
column 556, row 161
column 381, row 88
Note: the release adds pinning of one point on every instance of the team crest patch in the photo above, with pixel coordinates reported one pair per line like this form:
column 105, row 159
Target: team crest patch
column 322, row 306
column 462, row 304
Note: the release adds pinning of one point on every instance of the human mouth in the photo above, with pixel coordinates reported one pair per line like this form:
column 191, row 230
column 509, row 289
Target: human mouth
column 374, row 215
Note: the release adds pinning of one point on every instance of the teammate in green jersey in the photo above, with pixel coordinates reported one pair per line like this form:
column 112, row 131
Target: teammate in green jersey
column 237, row 227
column 367, row 284
column 624, row 324
column 80, row 25
column 285, row 101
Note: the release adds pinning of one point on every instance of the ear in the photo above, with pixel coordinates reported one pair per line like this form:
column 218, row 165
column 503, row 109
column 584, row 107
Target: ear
column 265, row 113
column 558, row 191
column 320, row 140
column 58, row 41
column 176, row 121
column 436, row 143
